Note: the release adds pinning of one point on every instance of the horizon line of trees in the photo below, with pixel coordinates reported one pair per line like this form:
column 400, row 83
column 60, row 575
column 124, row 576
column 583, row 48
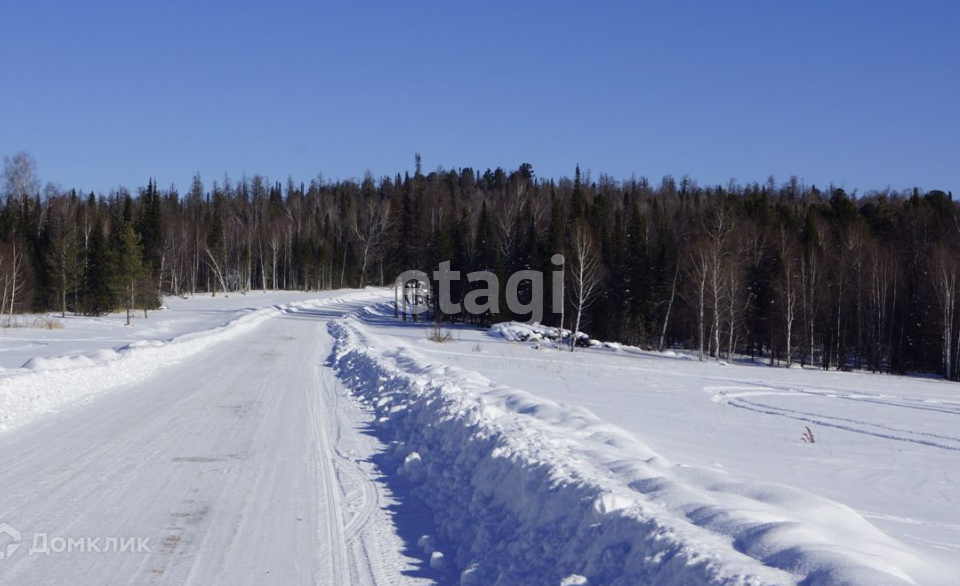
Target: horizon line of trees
column 786, row 272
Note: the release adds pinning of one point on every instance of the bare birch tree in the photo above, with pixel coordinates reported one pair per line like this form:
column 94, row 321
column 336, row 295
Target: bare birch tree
column 369, row 226
column 789, row 285
column 945, row 271
column 585, row 275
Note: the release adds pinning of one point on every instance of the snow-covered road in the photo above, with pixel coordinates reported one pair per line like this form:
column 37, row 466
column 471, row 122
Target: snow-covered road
column 242, row 465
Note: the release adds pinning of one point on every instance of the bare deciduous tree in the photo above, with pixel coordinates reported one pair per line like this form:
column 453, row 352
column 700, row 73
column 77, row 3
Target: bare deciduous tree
column 699, row 275
column 789, row 285
column 585, row 275
column 370, row 226
column 945, row 271
column 20, row 178
column 11, row 276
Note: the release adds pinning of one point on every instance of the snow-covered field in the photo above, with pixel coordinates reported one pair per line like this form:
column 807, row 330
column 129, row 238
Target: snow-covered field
column 490, row 459
column 625, row 467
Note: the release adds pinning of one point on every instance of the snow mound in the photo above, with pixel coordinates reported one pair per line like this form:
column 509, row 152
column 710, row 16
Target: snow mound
column 513, row 331
column 41, row 363
column 525, row 491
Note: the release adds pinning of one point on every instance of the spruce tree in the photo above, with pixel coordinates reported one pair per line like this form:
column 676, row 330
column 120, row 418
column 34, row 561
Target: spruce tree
column 577, row 200
column 99, row 295
column 637, row 269
column 150, row 226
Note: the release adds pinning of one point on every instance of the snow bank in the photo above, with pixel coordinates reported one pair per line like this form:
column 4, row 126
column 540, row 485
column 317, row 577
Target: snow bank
column 513, row 331
column 61, row 362
column 45, row 384
column 526, row 491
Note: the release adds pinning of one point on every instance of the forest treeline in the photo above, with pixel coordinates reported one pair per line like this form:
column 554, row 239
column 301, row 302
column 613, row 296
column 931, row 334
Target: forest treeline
column 783, row 272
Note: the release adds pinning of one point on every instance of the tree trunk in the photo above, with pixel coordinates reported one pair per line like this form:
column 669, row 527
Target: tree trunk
column 576, row 330
column 563, row 305
column 666, row 318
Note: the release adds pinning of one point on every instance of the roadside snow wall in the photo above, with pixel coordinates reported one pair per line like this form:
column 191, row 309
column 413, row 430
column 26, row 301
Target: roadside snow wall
column 524, row 491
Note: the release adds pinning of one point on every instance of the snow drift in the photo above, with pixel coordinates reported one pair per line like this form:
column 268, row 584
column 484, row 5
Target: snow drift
column 525, row 491
column 44, row 384
column 513, row 331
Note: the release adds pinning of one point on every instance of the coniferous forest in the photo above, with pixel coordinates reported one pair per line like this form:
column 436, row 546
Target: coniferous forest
column 783, row 272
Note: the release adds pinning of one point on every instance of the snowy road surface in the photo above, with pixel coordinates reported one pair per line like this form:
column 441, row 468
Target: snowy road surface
column 241, row 465
column 84, row 335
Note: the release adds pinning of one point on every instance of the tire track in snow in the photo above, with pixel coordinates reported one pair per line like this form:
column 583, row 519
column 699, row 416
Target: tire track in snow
column 862, row 397
column 332, row 521
column 366, row 553
column 740, row 404
column 889, row 428
column 740, row 400
column 231, row 463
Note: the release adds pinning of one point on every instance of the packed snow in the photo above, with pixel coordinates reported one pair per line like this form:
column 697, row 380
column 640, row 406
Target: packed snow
column 92, row 355
column 245, row 463
column 615, row 466
column 77, row 336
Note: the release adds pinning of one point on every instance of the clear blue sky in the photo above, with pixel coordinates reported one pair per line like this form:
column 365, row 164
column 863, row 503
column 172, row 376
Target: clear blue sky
column 865, row 94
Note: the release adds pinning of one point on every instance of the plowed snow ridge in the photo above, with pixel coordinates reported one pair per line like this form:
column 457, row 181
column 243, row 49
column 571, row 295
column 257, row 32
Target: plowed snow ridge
column 526, row 491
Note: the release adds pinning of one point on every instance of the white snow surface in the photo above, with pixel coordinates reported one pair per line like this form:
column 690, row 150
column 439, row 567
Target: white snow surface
column 614, row 466
column 233, row 447
column 245, row 463
column 100, row 354
column 82, row 336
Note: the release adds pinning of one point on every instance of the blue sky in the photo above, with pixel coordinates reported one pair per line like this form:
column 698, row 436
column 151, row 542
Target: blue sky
column 864, row 94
